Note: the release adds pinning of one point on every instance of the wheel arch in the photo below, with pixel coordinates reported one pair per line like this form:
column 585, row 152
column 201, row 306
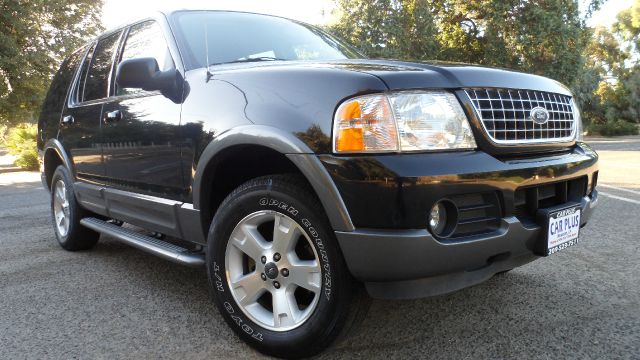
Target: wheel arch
column 269, row 151
column 54, row 155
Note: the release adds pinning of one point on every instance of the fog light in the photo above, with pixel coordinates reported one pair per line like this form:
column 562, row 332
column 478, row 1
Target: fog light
column 438, row 218
column 443, row 218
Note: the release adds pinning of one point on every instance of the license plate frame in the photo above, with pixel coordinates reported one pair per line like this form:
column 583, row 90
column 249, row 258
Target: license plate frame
column 560, row 226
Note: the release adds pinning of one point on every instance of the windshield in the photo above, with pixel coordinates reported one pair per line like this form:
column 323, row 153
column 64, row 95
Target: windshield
column 244, row 37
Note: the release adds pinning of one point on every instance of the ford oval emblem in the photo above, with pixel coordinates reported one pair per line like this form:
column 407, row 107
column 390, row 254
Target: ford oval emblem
column 539, row 115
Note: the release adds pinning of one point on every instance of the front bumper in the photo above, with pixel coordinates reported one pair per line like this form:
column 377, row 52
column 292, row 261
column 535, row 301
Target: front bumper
column 397, row 257
column 405, row 264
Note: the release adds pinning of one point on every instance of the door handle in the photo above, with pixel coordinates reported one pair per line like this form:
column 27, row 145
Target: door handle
column 112, row 116
column 68, row 119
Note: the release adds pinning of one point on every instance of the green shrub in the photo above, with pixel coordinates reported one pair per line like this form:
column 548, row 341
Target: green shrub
column 614, row 128
column 21, row 142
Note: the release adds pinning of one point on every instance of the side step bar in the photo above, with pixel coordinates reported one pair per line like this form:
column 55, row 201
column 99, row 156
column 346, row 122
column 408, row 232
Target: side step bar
column 151, row 245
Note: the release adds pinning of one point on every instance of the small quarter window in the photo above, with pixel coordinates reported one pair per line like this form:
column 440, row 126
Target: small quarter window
column 78, row 87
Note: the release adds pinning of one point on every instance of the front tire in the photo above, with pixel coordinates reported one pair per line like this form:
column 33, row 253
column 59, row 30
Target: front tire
column 275, row 269
column 67, row 213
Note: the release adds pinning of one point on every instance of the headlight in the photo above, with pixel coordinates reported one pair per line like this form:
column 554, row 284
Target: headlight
column 578, row 120
column 402, row 121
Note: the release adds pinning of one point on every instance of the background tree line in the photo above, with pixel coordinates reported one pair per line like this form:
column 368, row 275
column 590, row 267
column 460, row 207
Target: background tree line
column 546, row 37
column 35, row 36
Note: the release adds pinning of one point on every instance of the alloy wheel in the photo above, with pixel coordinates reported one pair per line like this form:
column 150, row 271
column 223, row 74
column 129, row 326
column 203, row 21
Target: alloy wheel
column 273, row 270
column 61, row 208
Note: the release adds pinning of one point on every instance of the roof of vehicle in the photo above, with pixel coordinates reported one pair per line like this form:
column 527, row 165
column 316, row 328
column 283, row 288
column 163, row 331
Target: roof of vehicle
column 168, row 12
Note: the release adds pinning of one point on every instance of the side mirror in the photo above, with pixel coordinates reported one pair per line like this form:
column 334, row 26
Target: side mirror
column 143, row 73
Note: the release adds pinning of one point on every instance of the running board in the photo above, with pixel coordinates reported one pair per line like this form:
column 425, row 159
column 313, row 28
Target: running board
column 151, row 245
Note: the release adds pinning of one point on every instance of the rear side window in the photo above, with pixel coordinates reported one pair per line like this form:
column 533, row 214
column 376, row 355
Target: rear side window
column 61, row 82
column 97, row 79
column 146, row 40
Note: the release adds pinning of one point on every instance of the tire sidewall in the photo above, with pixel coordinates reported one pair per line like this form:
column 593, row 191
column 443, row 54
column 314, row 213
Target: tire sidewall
column 322, row 322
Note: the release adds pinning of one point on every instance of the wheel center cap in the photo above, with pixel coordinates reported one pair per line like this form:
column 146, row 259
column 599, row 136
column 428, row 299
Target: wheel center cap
column 271, row 270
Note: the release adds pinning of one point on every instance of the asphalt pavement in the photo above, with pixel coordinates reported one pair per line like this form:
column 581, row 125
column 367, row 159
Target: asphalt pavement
column 115, row 302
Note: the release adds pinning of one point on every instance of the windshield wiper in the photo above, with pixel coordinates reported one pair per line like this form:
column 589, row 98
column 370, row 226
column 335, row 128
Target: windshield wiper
column 253, row 59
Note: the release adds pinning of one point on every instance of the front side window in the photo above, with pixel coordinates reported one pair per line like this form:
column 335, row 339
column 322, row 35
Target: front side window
column 146, row 40
column 97, row 80
column 228, row 37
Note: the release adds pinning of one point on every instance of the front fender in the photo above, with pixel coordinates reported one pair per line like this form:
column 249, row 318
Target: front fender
column 295, row 150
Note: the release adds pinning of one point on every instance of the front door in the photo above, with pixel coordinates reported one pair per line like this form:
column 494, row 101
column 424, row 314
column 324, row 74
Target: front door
column 141, row 128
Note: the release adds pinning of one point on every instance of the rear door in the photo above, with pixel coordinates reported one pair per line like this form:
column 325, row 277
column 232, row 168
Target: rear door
column 80, row 129
column 141, row 128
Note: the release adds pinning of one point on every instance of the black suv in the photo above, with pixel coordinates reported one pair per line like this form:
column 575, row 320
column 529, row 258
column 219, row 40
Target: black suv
column 296, row 170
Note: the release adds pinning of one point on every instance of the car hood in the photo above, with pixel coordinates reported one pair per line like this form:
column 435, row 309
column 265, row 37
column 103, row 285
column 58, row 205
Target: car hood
column 301, row 97
column 401, row 75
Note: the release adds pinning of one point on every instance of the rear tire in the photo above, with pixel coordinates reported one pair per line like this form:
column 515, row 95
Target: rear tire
column 249, row 229
column 66, row 214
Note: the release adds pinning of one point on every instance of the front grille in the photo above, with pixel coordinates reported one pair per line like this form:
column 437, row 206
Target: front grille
column 505, row 115
column 528, row 200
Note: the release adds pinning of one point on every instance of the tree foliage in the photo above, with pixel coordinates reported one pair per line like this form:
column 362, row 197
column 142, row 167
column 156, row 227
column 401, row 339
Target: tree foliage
column 546, row 37
column 383, row 28
column 614, row 54
column 35, row 36
column 628, row 25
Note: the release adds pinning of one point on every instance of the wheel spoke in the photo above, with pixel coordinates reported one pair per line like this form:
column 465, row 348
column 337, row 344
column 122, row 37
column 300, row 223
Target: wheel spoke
column 248, row 288
column 285, row 308
column 306, row 274
column 60, row 193
column 62, row 223
column 248, row 240
column 59, row 218
column 58, row 198
column 285, row 233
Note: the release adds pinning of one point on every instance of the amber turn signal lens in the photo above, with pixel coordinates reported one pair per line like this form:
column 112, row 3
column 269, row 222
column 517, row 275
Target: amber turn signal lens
column 350, row 139
column 349, row 130
column 365, row 124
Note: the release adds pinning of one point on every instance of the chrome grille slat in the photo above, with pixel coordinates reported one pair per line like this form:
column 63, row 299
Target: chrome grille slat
column 505, row 115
